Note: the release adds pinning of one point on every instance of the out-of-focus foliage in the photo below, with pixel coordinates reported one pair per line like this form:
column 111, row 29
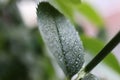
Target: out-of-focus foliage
column 22, row 55
column 78, row 6
column 87, row 10
column 94, row 45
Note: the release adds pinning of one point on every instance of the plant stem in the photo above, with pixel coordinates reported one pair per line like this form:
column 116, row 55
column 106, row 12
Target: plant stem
column 103, row 53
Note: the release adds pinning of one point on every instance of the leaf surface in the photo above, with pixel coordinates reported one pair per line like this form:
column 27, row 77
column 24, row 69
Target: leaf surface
column 61, row 38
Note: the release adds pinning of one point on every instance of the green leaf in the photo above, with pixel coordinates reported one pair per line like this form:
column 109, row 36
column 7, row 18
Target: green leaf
column 60, row 38
column 90, row 13
column 73, row 6
column 94, row 46
column 69, row 1
column 66, row 9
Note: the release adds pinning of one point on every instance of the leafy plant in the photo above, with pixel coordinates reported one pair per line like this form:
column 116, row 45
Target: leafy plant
column 63, row 42
column 22, row 51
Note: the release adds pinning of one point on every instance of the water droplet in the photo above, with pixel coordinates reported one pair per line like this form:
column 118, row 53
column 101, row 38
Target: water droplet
column 76, row 62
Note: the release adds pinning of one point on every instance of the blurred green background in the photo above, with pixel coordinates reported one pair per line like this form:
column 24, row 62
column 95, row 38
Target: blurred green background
column 23, row 55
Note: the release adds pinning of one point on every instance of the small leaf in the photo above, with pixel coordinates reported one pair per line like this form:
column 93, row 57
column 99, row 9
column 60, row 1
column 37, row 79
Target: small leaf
column 61, row 39
column 94, row 46
column 90, row 77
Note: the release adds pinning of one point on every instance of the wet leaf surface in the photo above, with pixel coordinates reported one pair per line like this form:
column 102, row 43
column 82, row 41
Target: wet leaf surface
column 61, row 38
